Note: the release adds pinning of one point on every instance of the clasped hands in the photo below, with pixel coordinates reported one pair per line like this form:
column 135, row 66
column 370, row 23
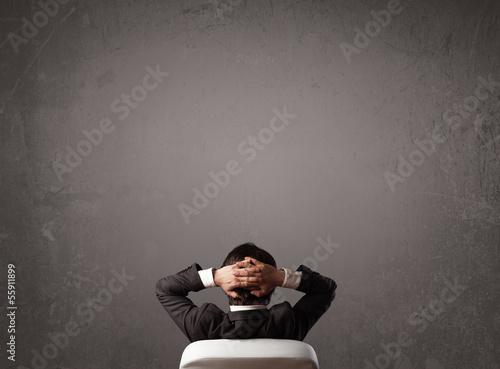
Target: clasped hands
column 249, row 274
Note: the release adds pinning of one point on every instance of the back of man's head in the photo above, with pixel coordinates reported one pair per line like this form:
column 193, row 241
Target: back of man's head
column 238, row 254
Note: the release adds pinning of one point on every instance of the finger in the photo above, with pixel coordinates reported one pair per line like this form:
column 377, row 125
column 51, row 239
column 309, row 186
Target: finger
column 247, row 272
column 246, row 283
column 252, row 280
column 244, row 264
column 233, row 294
column 258, row 293
column 254, row 261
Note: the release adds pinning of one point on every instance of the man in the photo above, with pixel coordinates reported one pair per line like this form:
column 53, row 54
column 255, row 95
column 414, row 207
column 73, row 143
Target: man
column 248, row 276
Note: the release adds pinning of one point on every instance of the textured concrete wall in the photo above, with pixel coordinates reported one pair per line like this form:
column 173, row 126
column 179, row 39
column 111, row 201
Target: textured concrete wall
column 389, row 151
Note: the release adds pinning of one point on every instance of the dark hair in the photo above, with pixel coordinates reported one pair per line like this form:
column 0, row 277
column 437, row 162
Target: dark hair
column 238, row 254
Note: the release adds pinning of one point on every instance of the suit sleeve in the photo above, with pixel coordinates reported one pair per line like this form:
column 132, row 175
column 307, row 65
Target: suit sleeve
column 172, row 293
column 319, row 294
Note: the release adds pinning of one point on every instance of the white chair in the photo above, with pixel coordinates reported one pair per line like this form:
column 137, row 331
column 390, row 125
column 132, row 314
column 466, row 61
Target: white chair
column 264, row 353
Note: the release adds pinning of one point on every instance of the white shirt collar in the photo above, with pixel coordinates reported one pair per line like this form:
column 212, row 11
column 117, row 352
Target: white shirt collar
column 246, row 307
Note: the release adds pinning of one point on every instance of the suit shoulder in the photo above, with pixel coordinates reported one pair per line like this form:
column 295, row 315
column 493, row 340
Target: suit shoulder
column 209, row 308
column 281, row 310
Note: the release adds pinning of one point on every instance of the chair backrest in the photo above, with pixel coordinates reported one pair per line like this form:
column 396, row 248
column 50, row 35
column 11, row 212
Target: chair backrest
column 262, row 353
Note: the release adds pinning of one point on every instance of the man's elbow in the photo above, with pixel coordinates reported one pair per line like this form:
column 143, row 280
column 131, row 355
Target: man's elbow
column 332, row 289
column 161, row 287
column 167, row 286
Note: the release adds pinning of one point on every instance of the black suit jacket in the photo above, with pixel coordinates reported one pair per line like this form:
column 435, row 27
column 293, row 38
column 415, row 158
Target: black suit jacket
column 209, row 322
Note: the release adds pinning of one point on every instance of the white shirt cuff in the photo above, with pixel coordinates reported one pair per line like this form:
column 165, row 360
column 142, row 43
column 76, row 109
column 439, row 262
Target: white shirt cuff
column 207, row 277
column 292, row 278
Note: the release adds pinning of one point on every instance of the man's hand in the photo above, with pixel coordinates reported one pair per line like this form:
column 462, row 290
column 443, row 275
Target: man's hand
column 245, row 276
column 271, row 277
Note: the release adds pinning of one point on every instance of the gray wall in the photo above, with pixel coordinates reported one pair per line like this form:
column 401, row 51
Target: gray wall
column 341, row 168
